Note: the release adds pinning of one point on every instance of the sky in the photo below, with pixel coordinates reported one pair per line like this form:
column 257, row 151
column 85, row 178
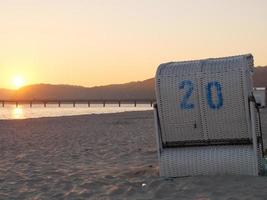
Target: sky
column 100, row 42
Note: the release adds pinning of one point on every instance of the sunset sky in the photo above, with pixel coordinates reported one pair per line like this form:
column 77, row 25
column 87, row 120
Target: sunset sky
column 99, row 42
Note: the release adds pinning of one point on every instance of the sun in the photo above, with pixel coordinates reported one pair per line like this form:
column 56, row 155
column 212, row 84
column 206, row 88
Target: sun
column 18, row 81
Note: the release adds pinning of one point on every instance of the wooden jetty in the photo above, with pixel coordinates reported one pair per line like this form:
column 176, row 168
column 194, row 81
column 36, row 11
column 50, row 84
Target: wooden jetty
column 74, row 102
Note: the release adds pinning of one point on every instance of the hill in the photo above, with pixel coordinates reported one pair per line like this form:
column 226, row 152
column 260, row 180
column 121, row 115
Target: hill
column 133, row 90
column 260, row 77
column 6, row 94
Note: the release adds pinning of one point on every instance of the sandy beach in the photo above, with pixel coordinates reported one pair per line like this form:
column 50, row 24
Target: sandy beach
column 105, row 156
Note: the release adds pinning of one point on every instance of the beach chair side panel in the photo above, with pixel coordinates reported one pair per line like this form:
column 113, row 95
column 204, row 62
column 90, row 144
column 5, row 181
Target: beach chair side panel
column 179, row 108
column 224, row 106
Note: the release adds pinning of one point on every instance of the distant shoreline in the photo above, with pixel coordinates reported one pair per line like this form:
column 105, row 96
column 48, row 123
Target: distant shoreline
column 77, row 115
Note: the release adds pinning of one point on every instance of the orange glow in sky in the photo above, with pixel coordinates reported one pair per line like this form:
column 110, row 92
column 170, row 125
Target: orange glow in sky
column 101, row 42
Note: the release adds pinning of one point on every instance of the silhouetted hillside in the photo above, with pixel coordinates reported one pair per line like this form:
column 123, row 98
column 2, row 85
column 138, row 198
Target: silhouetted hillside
column 6, row 94
column 133, row 90
column 260, row 77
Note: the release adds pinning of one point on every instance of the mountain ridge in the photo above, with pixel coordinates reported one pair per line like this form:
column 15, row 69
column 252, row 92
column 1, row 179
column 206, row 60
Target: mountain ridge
column 136, row 90
column 133, row 90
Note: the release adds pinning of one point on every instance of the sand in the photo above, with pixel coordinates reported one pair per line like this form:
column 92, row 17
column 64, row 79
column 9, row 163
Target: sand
column 108, row 156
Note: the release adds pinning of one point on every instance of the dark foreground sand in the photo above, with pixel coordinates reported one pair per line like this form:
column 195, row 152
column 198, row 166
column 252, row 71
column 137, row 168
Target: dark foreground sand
column 109, row 156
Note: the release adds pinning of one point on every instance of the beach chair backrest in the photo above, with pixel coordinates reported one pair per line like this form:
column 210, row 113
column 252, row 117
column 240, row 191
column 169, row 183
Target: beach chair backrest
column 204, row 99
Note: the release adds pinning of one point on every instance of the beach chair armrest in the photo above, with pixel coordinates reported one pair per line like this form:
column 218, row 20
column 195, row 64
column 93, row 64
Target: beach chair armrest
column 158, row 128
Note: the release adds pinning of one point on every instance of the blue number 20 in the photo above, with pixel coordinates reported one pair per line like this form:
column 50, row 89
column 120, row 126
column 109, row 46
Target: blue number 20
column 188, row 85
column 184, row 104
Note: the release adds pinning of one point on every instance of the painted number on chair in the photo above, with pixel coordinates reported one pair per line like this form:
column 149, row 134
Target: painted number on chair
column 219, row 100
column 214, row 103
column 187, row 85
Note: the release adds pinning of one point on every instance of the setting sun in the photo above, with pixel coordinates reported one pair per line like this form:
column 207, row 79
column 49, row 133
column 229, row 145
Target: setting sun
column 18, row 81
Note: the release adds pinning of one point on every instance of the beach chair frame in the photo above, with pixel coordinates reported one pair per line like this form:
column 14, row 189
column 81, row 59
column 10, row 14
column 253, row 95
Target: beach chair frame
column 212, row 154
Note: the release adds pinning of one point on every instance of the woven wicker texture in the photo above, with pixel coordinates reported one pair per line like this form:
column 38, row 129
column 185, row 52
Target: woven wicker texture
column 206, row 100
column 200, row 121
column 213, row 160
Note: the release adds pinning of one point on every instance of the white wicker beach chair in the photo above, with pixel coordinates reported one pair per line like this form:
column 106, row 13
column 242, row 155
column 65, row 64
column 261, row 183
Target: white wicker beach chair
column 206, row 122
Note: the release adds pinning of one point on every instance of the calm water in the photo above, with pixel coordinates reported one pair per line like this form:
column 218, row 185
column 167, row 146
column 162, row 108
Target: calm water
column 52, row 110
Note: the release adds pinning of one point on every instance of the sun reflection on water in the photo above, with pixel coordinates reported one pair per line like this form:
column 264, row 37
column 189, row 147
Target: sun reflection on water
column 37, row 111
column 17, row 113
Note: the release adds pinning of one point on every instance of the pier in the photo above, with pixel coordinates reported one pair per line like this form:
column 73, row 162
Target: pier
column 74, row 102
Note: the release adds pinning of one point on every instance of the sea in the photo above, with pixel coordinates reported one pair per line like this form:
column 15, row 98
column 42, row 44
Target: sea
column 10, row 111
